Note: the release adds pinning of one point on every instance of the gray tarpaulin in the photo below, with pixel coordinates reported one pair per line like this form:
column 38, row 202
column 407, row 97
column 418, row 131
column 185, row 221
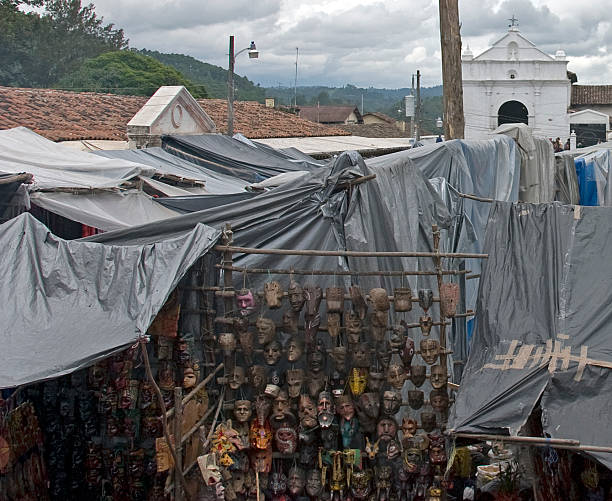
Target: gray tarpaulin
column 543, row 326
column 66, row 304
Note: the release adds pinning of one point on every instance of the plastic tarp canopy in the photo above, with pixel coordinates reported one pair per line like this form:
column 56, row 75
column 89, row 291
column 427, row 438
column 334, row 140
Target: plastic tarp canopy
column 56, row 166
column 105, row 210
column 234, row 157
column 594, row 172
column 67, row 304
column 194, row 203
column 537, row 180
column 566, row 180
column 543, row 326
column 166, row 164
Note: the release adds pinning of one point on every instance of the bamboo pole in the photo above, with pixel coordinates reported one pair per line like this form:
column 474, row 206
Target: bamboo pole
column 194, row 392
column 310, row 252
column 279, row 271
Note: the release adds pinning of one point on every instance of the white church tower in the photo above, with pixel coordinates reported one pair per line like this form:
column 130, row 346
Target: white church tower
column 514, row 81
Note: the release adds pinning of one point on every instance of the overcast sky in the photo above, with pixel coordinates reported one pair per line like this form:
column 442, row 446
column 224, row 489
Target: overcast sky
column 362, row 42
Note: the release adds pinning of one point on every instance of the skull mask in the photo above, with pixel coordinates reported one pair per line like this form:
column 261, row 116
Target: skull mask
column 439, row 399
column 430, row 349
column 257, row 375
column 418, row 374
column 438, row 377
column 425, row 299
column 307, row 412
column 296, row 296
column 295, row 348
column 392, row 401
column 245, row 301
column 295, row 380
column 272, row 353
column 243, row 410
column 296, row 481
column 273, row 293
column 285, row 439
column 266, row 330
column 236, row 378
column 402, row 299
column 416, row 399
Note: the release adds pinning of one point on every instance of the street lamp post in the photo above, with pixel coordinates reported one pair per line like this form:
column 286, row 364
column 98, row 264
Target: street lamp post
column 253, row 54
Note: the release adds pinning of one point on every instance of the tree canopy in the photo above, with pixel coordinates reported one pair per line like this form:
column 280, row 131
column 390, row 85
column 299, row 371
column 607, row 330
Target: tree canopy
column 126, row 72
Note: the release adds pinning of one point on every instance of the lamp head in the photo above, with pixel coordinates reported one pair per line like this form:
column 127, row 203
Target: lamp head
column 253, row 52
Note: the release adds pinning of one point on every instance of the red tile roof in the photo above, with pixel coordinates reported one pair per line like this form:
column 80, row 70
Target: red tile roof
column 328, row 114
column 63, row 116
column 591, row 94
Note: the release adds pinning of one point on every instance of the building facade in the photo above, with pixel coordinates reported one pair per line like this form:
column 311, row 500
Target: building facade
column 514, row 81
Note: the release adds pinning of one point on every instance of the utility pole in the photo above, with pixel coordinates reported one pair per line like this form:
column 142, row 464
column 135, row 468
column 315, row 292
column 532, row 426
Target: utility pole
column 412, row 131
column 417, row 118
column 295, row 82
column 450, row 42
column 230, row 88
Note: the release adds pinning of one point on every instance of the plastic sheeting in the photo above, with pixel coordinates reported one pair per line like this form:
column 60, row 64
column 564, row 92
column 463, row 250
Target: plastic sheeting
column 236, row 158
column 170, row 165
column 104, row 210
column 567, row 190
column 196, row 203
column 66, row 304
column 55, row 166
column 543, row 326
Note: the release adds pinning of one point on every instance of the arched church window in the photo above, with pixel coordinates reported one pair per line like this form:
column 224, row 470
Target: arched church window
column 512, row 51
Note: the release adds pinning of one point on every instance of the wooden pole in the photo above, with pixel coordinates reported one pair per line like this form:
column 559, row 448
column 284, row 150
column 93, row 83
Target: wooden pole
column 450, row 42
column 280, row 271
column 178, row 447
column 417, row 107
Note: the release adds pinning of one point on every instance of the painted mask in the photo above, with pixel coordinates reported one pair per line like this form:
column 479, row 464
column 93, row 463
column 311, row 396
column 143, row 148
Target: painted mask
column 386, row 429
column 277, row 483
column 345, row 407
column 281, row 407
column 438, row 377
column 407, row 352
column 316, row 359
column 334, row 297
column 257, row 376
column 430, row 349
column 266, row 330
column 439, row 399
column 296, row 480
column 449, row 298
column 272, row 353
column 296, row 296
column 275, row 381
column 361, row 484
column 338, row 355
column 393, row 449
column 337, row 384
column 243, row 410
column 361, row 355
column 307, row 412
column 236, row 378
column 189, row 378
column 418, row 374
column 263, row 405
column 383, row 354
column 428, row 421
column 353, row 325
column 392, row 401
column 245, row 301
column 333, row 324
column 409, row 427
column 402, row 299
column 382, row 476
column 426, row 323
column 314, row 485
column 290, row 323
column 413, row 458
column 437, row 452
column 376, row 380
column 227, row 342
column 425, row 299
column 273, row 294
column 325, row 409
column 358, row 380
column 396, row 376
column 295, row 349
column 286, row 439
column 261, row 460
column 313, row 295
column 295, row 380
column 416, row 399
column 260, row 434
column 379, row 299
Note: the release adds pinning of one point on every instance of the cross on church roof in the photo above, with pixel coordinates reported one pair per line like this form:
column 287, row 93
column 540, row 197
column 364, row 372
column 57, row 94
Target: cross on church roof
column 513, row 22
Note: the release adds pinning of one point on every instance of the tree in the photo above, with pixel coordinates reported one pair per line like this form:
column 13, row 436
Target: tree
column 126, row 72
